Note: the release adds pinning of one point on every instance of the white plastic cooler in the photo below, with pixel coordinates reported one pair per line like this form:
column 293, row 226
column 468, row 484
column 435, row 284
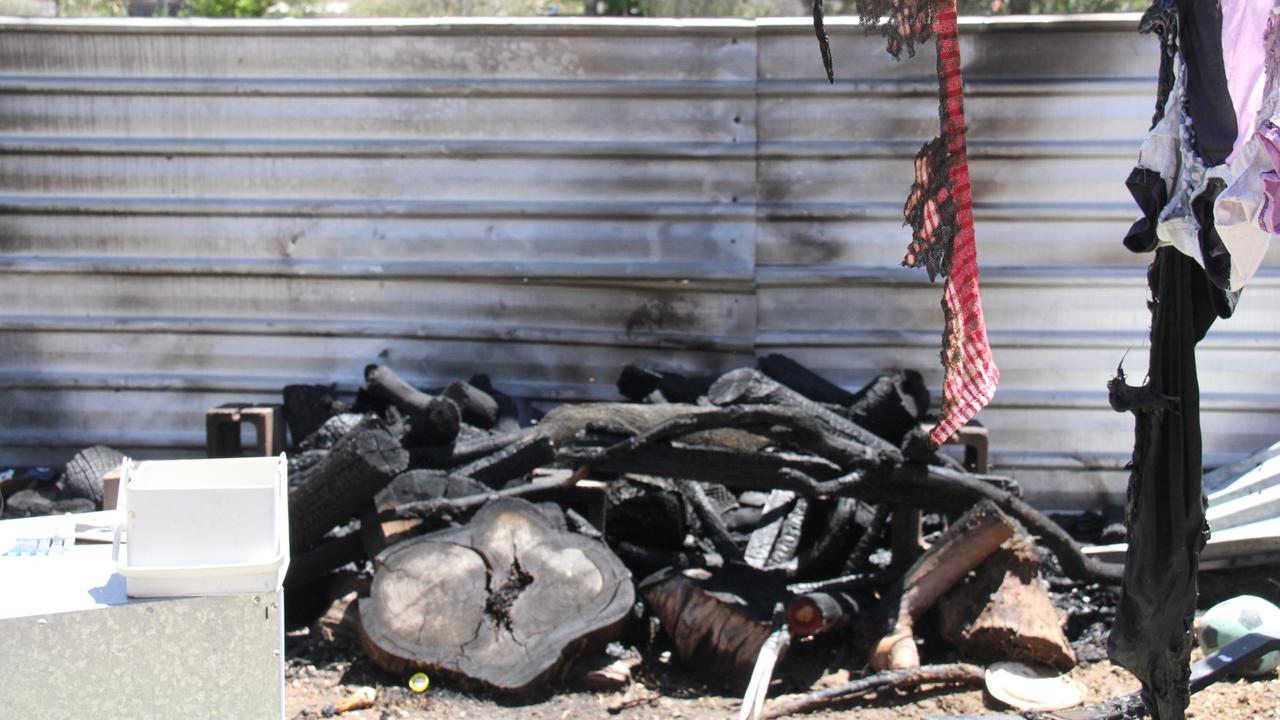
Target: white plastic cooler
column 203, row 527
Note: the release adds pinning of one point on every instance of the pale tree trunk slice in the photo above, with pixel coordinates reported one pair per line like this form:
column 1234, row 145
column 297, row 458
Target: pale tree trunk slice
column 504, row 601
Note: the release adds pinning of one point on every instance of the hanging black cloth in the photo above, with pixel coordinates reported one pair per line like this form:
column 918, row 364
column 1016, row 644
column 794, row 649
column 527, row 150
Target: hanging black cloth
column 1208, row 101
column 1151, row 636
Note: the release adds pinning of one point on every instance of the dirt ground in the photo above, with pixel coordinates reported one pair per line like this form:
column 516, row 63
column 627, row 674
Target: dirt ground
column 320, row 674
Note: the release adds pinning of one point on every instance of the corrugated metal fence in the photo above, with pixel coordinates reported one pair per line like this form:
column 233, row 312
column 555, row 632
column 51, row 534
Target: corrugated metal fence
column 199, row 212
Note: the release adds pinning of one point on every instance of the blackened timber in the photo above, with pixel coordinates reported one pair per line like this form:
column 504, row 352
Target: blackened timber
column 803, row 380
column 711, row 520
column 437, row 505
column 874, row 527
column 845, row 516
column 653, row 560
column 951, row 674
column 342, row 484
column 327, row 555
column 638, row 384
column 477, row 407
column 947, row 490
column 762, row 540
column 788, row 540
column 855, row 581
column 892, row 405
column 306, row 407
column 792, row 426
column 563, row 423
column 751, row 387
column 432, row 419
column 513, row 413
column 512, row 462
column 730, row 468
column 819, row 612
column 905, row 539
column 444, row 457
column 329, row 433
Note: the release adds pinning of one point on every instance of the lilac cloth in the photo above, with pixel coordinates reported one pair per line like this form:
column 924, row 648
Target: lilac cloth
column 1269, row 137
column 1243, row 56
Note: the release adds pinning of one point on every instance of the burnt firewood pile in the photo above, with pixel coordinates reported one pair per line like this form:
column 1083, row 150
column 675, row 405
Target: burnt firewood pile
column 728, row 525
column 722, row 519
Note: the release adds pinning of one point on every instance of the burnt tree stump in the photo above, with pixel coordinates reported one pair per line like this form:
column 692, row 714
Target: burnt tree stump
column 504, row 601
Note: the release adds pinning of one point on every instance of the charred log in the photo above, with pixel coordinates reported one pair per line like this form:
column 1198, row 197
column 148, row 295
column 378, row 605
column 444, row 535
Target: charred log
column 750, row 387
column 892, row 405
column 639, row 384
column 819, row 612
column 432, row 420
column 461, row 452
column 307, row 407
column 478, row 408
column 330, row 432
column 711, row 520
column 511, row 463
column 514, row 413
column 792, row 374
column 339, row 486
column 953, row 674
column 717, row 619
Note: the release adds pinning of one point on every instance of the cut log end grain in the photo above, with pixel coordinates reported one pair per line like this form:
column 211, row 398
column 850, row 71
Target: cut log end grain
column 504, row 601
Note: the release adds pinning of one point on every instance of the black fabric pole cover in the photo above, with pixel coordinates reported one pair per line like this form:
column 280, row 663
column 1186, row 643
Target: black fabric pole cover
column 1165, row 509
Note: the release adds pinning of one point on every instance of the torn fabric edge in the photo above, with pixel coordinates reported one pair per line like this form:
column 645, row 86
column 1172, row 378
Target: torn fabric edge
column 970, row 372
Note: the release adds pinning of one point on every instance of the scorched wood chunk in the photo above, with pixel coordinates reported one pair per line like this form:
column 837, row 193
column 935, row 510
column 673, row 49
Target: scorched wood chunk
column 717, row 619
column 431, row 419
column 503, row 601
column 339, row 486
column 307, row 407
column 82, row 477
column 1002, row 611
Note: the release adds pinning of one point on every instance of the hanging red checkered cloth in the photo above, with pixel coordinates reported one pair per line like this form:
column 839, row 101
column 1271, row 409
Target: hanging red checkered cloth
column 971, row 374
column 940, row 213
column 940, row 206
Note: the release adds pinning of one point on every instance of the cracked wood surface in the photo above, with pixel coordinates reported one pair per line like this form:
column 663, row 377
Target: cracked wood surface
column 503, row 601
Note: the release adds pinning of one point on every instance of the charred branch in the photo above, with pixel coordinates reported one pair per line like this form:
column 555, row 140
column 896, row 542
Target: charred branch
column 960, row 674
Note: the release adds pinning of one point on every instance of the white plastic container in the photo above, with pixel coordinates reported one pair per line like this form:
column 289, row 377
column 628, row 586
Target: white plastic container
column 203, row 527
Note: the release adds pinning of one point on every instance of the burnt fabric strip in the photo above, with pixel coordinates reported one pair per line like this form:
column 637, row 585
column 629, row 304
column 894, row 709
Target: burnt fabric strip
column 931, row 211
column 1150, row 193
column 1162, row 19
column 1165, row 508
column 905, row 22
column 1217, row 261
column 939, row 208
column 971, row 375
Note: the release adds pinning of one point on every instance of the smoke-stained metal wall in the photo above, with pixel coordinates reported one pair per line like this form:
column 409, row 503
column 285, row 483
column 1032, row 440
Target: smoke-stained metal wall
column 200, row 212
